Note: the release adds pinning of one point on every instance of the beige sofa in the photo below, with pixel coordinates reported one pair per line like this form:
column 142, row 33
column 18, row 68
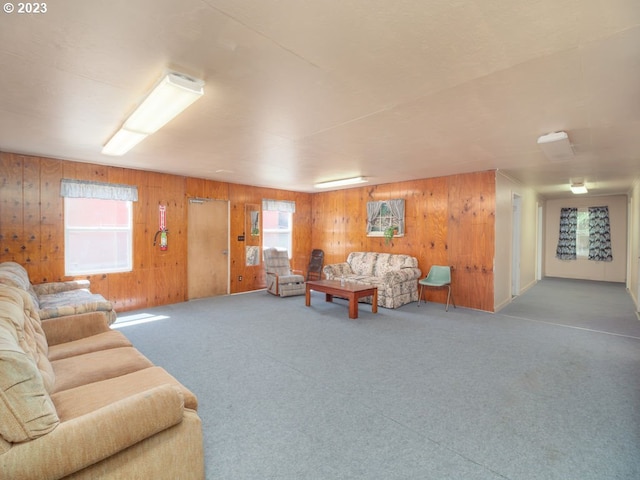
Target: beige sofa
column 395, row 275
column 77, row 400
column 56, row 299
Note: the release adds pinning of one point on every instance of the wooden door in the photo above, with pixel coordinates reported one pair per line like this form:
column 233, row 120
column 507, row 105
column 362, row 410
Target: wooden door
column 208, row 248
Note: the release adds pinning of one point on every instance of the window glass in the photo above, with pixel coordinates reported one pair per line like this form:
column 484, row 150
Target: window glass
column 276, row 230
column 582, row 233
column 98, row 236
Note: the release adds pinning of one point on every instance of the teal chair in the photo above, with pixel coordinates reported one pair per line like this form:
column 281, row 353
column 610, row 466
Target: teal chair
column 439, row 276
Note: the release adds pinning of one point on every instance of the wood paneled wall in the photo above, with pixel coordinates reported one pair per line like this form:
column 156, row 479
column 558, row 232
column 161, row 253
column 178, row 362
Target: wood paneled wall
column 449, row 220
column 253, row 276
column 32, row 227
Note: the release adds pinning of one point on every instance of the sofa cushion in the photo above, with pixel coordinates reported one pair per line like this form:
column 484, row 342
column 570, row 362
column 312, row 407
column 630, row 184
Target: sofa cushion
column 20, row 319
column 362, row 263
column 387, row 262
column 15, row 275
column 26, row 409
column 93, row 343
column 97, row 395
column 72, row 302
column 97, row 366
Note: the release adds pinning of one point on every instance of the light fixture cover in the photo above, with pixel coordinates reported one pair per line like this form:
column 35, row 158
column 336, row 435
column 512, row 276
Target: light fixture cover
column 170, row 97
column 341, row 182
column 556, row 146
column 123, row 141
column 578, row 188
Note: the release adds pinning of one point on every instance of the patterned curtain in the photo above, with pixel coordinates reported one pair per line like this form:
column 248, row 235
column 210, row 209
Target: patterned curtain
column 397, row 210
column 567, row 239
column 373, row 210
column 599, row 235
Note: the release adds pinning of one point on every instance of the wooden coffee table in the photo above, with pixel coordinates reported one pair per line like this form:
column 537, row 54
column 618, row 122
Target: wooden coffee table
column 351, row 291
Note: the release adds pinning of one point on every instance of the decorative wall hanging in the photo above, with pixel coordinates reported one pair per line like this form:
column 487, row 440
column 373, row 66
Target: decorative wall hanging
column 385, row 218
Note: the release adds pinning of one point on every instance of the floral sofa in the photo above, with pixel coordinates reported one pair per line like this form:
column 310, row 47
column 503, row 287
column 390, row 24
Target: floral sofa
column 56, row 299
column 77, row 400
column 395, row 275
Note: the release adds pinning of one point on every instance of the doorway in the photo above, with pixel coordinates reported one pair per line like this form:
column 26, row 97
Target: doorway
column 207, row 248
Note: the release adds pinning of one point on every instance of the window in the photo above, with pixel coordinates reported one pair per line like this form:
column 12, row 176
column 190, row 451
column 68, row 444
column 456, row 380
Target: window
column 98, row 226
column 98, row 236
column 582, row 233
column 277, row 224
column 384, row 214
column 277, row 230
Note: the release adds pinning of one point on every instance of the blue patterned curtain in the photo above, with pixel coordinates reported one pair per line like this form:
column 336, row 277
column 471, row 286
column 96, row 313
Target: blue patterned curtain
column 567, row 239
column 599, row 235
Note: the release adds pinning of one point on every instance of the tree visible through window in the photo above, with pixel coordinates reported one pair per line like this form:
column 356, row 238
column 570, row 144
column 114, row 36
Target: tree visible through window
column 98, row 236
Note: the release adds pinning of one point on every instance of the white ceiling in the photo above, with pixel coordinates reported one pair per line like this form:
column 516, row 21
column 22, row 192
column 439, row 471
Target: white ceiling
column 302, row 91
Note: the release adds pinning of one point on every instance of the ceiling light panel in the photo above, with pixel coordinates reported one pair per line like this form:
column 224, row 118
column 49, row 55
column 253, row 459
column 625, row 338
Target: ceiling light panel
column 341, row 183
column 169, row 98
column 556, row 146
column 174, row 93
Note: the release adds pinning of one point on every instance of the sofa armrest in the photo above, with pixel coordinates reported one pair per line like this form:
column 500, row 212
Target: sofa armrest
column 74, row 327
column 85, row 440
column 56, row 287
column 402, row 275
column 336, row 270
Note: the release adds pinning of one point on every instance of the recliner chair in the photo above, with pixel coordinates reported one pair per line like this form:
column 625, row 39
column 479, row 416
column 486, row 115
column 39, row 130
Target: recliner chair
column 281, row 280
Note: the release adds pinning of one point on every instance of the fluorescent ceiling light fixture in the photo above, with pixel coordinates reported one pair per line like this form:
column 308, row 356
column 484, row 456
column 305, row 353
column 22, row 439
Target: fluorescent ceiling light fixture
column 341, row 183
column 578, row 188
column 123, row 141
column 556, row 146
column 174, row 93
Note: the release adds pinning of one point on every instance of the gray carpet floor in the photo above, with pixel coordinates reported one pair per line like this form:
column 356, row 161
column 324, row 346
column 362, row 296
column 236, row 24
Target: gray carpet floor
column 546, row 389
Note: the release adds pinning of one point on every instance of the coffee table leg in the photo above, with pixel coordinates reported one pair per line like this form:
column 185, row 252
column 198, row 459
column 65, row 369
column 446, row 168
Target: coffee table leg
column 328, row 297
column 307, row 296
column 353, row 306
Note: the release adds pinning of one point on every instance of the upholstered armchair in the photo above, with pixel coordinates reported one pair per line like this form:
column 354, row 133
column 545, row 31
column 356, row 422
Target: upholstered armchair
column 281, row 280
